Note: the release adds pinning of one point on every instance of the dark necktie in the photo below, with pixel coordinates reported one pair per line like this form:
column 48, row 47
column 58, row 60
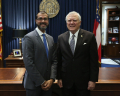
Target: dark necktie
column 45, row 44
column 72, row 44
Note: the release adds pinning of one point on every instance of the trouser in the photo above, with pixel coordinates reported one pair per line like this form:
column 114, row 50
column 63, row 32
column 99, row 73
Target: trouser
column 38, row 92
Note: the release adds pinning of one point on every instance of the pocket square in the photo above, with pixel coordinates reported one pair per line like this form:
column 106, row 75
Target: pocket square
column 84, row 43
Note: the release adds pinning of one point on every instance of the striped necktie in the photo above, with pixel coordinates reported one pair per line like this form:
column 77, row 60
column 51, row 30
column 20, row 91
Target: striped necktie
column 72, row 44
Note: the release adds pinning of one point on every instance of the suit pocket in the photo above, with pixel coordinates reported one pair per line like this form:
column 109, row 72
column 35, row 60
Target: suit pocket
column 86, row 76
column 63, row 69
column 85, row 69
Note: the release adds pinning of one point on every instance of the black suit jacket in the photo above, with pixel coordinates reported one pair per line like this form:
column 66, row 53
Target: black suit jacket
column 83, row 65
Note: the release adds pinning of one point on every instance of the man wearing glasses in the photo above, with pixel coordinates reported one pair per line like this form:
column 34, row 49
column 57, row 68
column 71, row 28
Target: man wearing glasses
column 39, row 59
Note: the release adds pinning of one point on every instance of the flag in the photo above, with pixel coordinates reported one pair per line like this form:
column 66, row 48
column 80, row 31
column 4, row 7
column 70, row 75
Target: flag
column 96, row 30
column 1, row 29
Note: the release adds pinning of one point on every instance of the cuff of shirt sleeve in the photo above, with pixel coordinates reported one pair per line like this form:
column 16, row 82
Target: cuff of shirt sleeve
column 43, row 83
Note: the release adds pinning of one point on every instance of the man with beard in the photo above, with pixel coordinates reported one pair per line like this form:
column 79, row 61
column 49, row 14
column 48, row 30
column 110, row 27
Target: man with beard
column 39, row 59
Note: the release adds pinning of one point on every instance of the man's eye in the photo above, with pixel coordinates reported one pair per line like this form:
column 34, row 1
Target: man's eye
column 42, row 19
column 74, row 20
column 39, row 18
column 69, row 20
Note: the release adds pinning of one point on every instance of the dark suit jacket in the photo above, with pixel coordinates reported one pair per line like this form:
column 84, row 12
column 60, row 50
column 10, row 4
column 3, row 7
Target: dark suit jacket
column 38, row 67
column 83, row 65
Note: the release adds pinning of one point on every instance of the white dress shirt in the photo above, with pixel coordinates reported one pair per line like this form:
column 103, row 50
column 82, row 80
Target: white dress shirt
column 75, row 38
column 40, row 34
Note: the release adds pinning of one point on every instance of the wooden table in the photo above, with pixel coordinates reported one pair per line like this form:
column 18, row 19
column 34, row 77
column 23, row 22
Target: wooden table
column 14, row 62
column 11, row 82
column 108, row 83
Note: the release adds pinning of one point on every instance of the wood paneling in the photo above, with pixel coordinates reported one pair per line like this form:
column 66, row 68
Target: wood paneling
column 12, row 62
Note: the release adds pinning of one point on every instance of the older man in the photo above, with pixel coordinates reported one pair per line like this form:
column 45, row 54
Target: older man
column 77, row 58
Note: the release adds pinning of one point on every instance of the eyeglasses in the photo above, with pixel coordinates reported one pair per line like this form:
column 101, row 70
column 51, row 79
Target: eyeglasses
column 45, row 19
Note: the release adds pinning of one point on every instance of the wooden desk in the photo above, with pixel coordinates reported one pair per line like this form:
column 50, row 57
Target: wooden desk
column 108, row 83
column 12, row 62
column 11, row 82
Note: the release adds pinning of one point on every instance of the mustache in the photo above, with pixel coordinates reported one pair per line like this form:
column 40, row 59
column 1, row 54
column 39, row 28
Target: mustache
column 43, row 23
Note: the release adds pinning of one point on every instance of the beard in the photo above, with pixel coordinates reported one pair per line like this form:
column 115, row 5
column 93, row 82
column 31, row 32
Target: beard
column 42, row 28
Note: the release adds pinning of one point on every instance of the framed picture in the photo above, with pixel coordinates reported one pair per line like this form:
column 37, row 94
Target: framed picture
column 109, row 30
column 17, row 53
column 115, row 29
column 116, row 18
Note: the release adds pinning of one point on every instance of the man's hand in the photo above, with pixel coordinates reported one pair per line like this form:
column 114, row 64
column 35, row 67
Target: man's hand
column 91, row 85
column 60, row 83
column 47, row 85
column 43, row 85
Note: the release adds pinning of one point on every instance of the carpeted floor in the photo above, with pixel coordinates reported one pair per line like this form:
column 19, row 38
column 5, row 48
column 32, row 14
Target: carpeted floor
column 107, row 62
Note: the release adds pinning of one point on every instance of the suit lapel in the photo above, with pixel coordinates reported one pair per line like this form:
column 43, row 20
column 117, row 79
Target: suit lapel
column 79, row 41
column 40, row 42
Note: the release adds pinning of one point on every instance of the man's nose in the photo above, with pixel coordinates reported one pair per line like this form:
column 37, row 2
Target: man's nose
column 72, row 22
column 43, row 20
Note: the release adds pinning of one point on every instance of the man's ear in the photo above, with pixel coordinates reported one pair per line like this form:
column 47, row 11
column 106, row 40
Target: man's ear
column 35, row 20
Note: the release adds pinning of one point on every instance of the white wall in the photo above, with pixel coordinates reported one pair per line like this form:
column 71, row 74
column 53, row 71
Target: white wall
column 104, row 20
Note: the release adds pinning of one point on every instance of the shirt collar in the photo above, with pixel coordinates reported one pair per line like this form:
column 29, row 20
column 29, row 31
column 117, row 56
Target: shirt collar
column 76, row 34
column 39, row 32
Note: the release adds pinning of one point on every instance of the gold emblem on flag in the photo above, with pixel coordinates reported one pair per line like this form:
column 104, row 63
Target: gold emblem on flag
column 51, row 7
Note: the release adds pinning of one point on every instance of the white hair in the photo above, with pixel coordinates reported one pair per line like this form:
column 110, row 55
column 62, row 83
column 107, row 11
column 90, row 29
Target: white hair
column 73, row 12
